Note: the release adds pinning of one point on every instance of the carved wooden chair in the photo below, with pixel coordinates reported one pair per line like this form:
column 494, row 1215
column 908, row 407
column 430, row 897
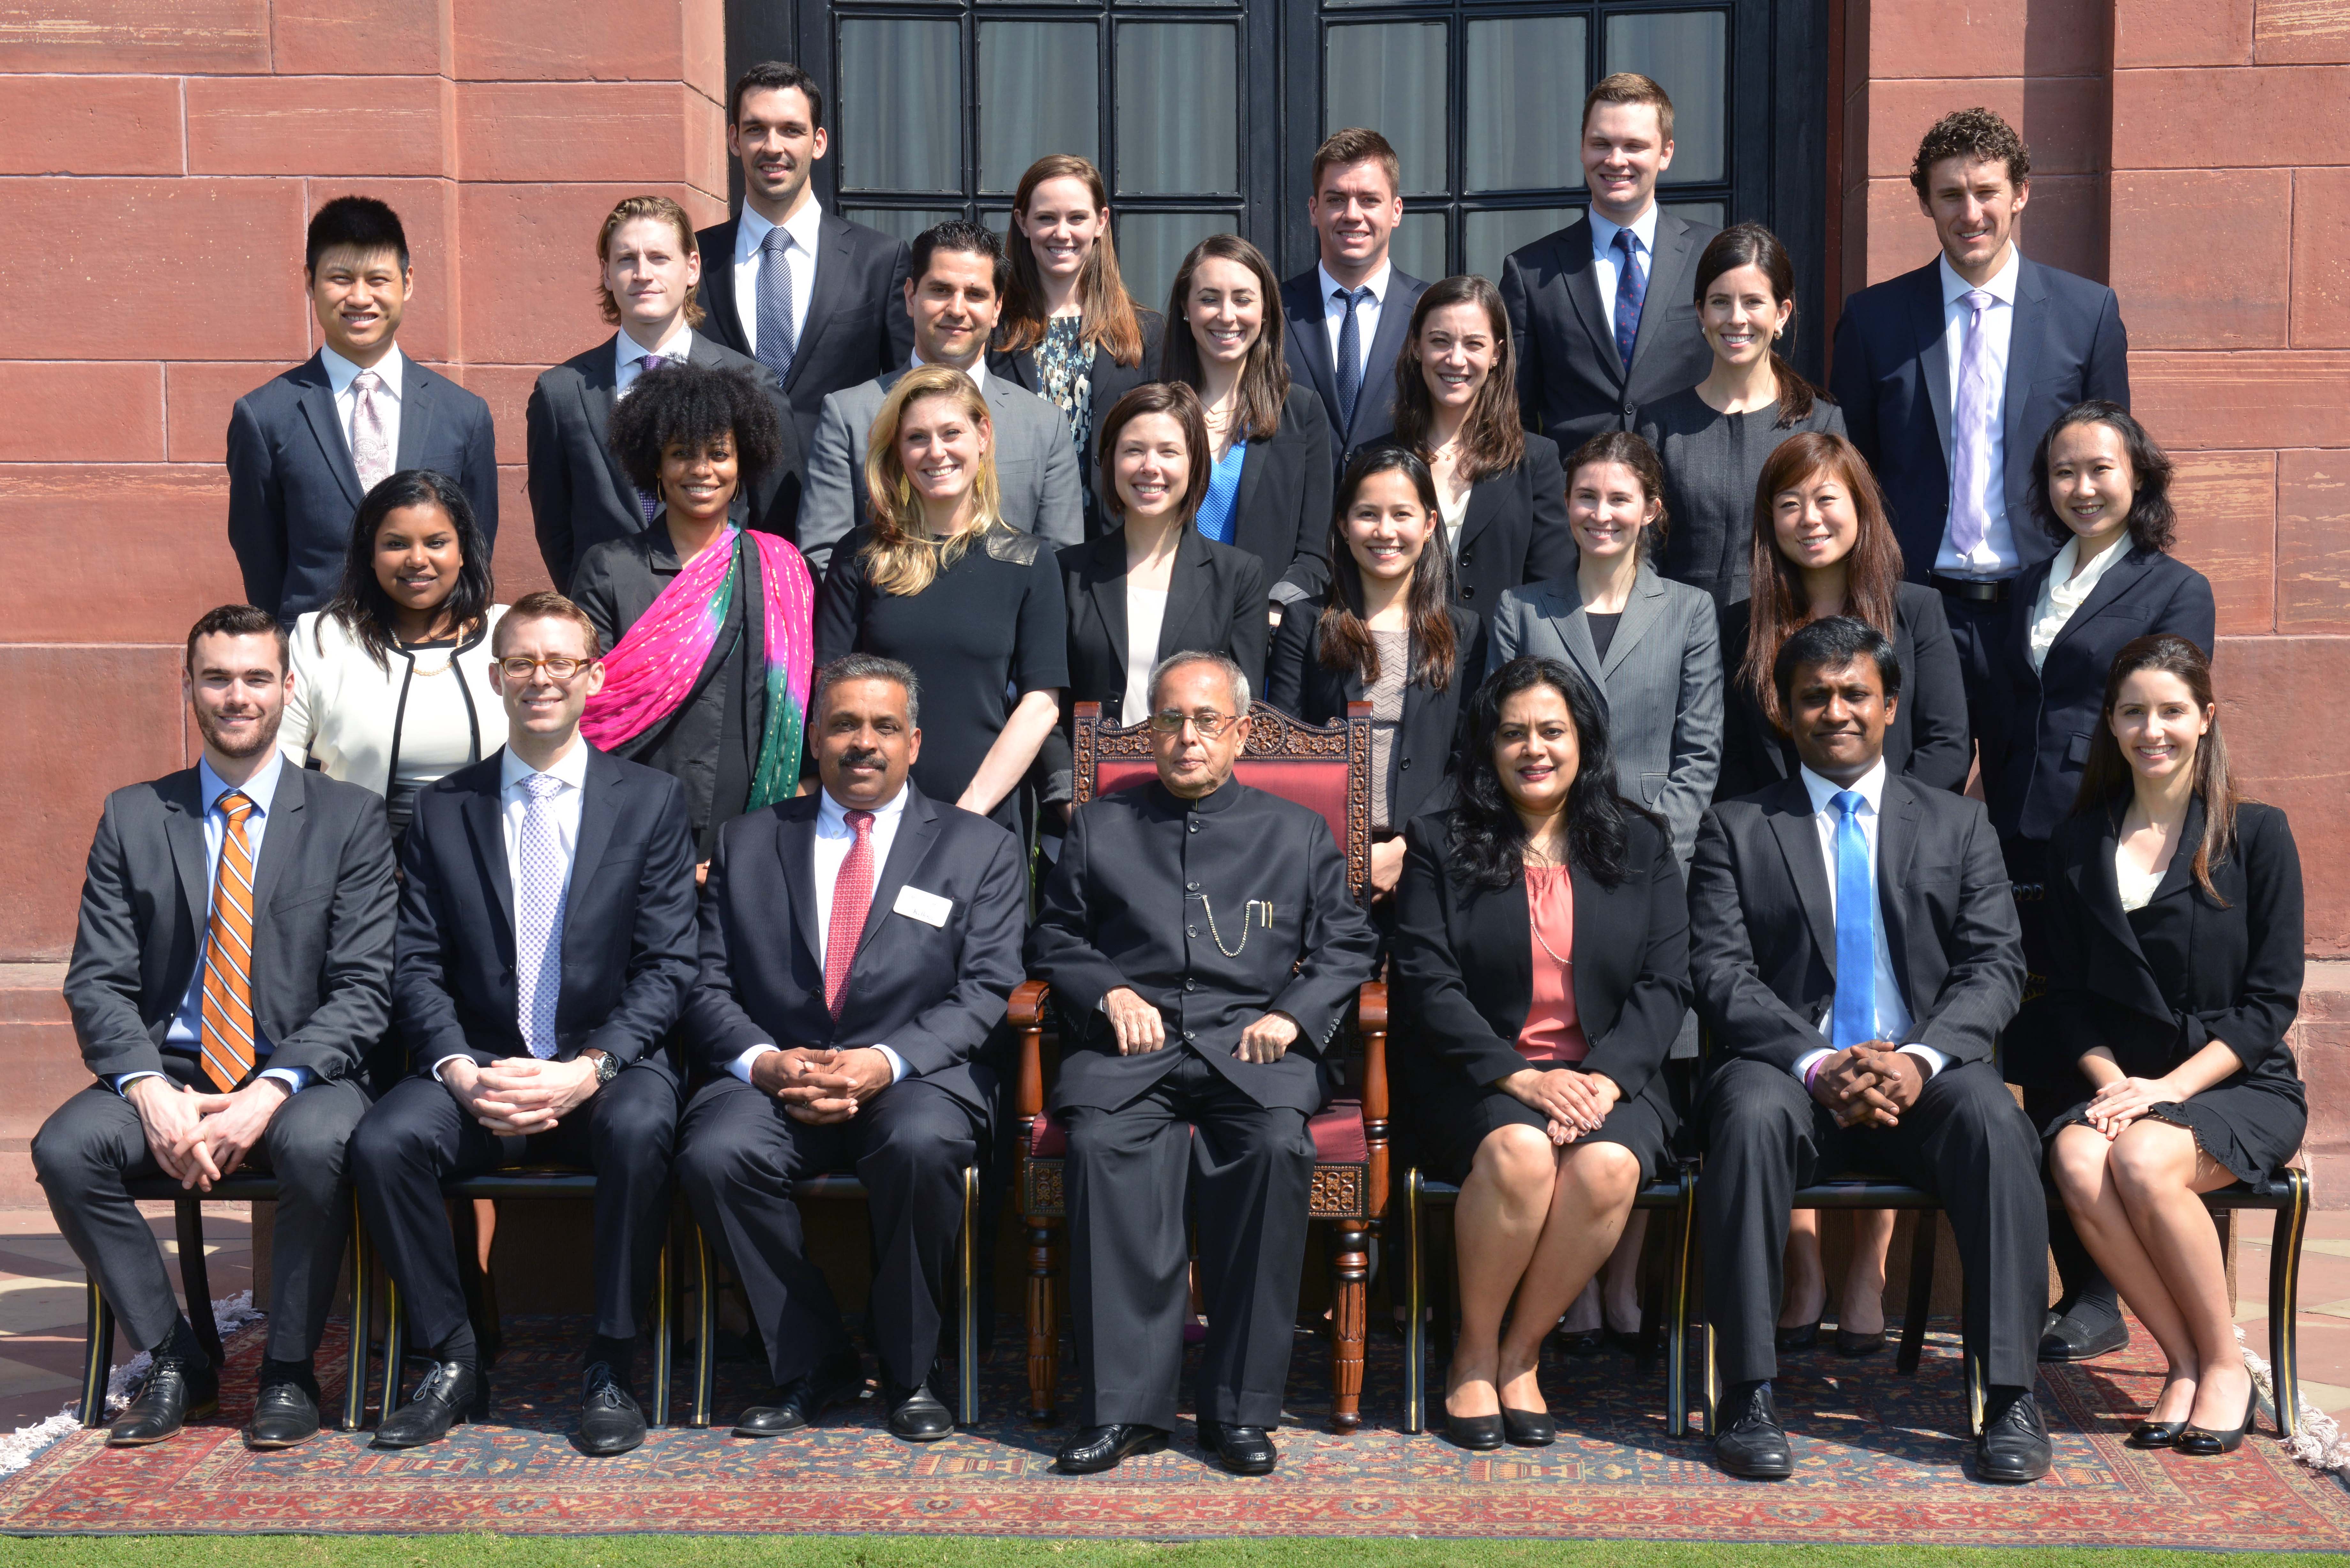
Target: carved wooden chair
column 1328, row 768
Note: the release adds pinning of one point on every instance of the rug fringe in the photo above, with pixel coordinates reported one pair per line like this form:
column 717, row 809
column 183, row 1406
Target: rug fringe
column 2317, row 1440
column 25, row 1444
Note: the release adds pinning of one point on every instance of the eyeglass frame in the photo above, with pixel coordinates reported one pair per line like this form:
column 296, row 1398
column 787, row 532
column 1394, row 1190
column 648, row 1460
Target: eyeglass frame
column 1210, row 726
column 533, row 666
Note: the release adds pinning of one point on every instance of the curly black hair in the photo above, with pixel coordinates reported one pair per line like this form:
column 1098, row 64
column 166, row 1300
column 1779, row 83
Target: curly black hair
column 1489, row 838
column 2153, row 521
column 691, row 404
column 1977, row 135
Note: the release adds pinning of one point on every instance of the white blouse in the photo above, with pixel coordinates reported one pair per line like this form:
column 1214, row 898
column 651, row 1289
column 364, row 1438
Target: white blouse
column 426, row 713
column 1146, row 612
column 2064, row 591
column 2137, row 887
column 1454, row 510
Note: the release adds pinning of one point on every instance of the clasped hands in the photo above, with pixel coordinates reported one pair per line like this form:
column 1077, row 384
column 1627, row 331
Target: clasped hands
column 1576, row 1102
column 1142, row 1030
column 818, row 1084
column 200, row 1138
column 2122, row 1101
column 515, row 1096
column 1868, row 1085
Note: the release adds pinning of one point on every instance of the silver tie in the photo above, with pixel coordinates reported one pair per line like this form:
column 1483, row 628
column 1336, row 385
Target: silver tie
column 370, row 443
column 539, row 918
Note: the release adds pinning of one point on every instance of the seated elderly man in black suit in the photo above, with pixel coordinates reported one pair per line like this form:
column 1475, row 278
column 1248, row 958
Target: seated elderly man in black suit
column 859, row 946
column 1855, row 952
column 1201, row 945
column 546, row 946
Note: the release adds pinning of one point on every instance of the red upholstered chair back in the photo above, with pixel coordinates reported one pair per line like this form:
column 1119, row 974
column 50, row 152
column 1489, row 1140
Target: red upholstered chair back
column 1328, row 768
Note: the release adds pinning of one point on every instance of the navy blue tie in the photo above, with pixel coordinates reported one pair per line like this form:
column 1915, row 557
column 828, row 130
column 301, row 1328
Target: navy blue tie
column 778, row 343
column 1856, row 930
column 1631, row 290
column 1350, row 356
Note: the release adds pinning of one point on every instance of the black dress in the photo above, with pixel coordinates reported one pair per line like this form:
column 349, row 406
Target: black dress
column 989, row 627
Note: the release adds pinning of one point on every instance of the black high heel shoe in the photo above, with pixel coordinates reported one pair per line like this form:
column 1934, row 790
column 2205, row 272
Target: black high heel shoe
column 1478, row 1434
column 2205, row 1443
column 1529, row 1429
column 1804, row 1336
column 2155, row 1435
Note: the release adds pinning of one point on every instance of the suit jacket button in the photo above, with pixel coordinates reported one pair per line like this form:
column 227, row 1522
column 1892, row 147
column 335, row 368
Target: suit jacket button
column 1191, row 887
column 1631, row 409
column 1190, row 985
column 1468, row 590
column 1187, row 1036
column 1407, row 762
column 1191, row 930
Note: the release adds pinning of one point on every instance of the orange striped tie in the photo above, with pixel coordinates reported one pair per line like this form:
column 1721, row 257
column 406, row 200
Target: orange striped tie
column 228, row 954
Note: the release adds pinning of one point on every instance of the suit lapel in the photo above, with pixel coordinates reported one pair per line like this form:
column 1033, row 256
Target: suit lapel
column 2023, row 336
column 1666, row 265
column 719, row 295
column 832, row 267
column 1933, row 347
column 1189, row 580
column 318, row 407
column 1387, row 344
column 2118, row 579
column 1896, row 846
column 1799, row 844
column 1565, row 611
column 1640, row 613
column 183, row 826
column 1253, row 467
column 1106, row 586
column 281, row 839
column 796, row 848
column 1583, row 288
column 917, row 829
column 1484, row 506
column 1310, row 323
column 2099, row 885
column 600, row 808
column 1502, row 932
column 599, row 395
column 419, row 399
column 488, row 833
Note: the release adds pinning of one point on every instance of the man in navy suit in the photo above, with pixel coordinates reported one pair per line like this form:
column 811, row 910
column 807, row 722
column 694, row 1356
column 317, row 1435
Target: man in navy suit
column 1346, row 318
column 546, row 945
column 859, row 946
column 305, row 448
column 1949, row 375
column 1602, row 312
column 818, row 300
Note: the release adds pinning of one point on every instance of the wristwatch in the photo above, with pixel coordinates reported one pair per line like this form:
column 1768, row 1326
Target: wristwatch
column 608, row 1066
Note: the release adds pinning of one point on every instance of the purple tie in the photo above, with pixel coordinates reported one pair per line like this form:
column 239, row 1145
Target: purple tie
column 651, row 499
column 1970, row 430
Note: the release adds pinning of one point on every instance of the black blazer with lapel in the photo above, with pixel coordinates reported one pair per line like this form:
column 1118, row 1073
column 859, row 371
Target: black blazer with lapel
column 1892, row 378
column 293, row 488
column 1427, row 740
column 322, row 911
column 857, row 327
column 1763, row 933
column 580, row 495
column 1312, row 355
column 1282, row 513
column 933, row 994
column 628, row 918
column 1514, row 531
column 1571, row 382
column 2054, row 710
column 1215, row 604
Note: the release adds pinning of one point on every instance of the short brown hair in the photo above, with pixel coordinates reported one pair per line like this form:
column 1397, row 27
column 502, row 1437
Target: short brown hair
column 1631, row 86
column 1357, row 145
column 776, row 76
column 661, row 210
column 1977, row 135
column 546, row 605
column 1178, row 402
column 238, row 620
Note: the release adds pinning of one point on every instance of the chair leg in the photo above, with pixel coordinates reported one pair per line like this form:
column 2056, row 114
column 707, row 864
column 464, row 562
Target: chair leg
column 1043, row 1323
column 98, row 1354
column 1710, row 1393
column 1415, row 1326
column 355, row 1357
column 473, row 1240
column 2285, row 1305
column 1676, row 1329
column 705, row 1337
column 967, row 1319
column 1921, row 1293
column 1351, row 1278
column 662, row 1349
column 395, row 1348
column 195, row 1278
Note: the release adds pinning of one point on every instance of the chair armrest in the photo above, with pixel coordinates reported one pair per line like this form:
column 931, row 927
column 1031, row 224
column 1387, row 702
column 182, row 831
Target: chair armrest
column 1371, row 1020
column 1027, row 1016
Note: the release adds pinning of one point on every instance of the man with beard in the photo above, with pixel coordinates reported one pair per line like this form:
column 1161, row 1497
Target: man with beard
column 232, row 965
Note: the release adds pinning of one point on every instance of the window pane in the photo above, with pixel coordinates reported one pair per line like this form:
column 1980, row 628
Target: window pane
column 1710, row 214
column 1039, row 90
column 1526, row 97
column 1487, row 237
column 901, row 106
column 1392, row 78
column 1417, row 246
column 1151, row 247
column 1179, row 119
column 901, row 223
column 1687, row 52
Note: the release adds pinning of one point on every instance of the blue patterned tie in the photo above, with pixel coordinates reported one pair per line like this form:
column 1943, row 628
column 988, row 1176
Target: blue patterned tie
column 539, row 918
column 777, row 343
column 1350, row 354
column 1856, row 930
column 1631, row 290
column 650, row 501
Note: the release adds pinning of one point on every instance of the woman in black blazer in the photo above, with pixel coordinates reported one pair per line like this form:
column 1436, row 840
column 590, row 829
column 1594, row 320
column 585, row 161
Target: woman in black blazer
column 1269, row 476
column 1542, row 950
column 2176, row 943
column 1388, row 634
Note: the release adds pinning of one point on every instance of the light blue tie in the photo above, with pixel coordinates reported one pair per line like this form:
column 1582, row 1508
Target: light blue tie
column 538, row 916
column 1856, row 930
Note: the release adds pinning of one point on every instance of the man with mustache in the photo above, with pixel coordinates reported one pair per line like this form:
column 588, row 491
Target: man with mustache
column 232, row 965
column 859, row 947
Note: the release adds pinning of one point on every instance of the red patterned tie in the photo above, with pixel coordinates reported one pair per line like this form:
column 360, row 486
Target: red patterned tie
column 852, row 896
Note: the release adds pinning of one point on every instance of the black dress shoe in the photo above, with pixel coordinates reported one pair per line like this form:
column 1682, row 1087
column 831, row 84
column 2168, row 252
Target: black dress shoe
column 1529, row 1429
column 2072, row 1339
column 1750, row 1443
column 283, row 1415
column 1243, row 1450
column 802, row 1401
column 2205, row 1443
column 2013, row 1446
column 609, row 1419
column 177, row 1390
column 1478, row 1434
column 2155, row 1435
column 1803, row 1336
column 450, row 1393
column 1099, row 1448
column 918, row 1416
column 1850, row 1342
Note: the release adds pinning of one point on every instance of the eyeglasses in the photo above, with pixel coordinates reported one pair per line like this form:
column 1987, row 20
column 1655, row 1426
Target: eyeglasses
column 1169, row 720
column 520, row 669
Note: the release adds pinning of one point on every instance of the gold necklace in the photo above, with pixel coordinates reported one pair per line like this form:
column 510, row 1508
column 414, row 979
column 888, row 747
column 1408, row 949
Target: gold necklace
column 1564, row 963
column 1257, row 909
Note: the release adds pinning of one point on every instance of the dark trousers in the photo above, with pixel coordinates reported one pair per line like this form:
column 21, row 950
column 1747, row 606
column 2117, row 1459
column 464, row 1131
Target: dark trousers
column 1976, row 628
column 909, row 1146
column 1964, row 1141
column 87, row 1154
column 418, row 1136
column 1251, row 1175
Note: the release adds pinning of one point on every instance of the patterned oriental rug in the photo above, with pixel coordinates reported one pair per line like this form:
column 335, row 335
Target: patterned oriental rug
column 1879, row 1460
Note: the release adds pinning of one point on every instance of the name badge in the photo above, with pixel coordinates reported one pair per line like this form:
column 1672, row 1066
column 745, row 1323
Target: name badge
column 927, row 908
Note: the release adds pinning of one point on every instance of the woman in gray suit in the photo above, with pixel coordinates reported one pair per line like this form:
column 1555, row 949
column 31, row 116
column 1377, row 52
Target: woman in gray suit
column 1652, row 648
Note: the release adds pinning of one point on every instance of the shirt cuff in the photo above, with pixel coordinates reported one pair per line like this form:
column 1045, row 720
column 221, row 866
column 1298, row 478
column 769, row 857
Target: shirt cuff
column 741, row 1065
column 1935, row 1060
column 897, row 1063
column 124, row 1081
column 296, row 1079
column 452, row 1057
column 1806, row 1062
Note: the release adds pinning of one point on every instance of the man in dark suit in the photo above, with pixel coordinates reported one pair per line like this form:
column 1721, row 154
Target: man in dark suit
column 1602, row 311
column 305, row 448
column 1202, row 946
column 818, row 300
column 1949, row 376
column 859, row 949
column 1855, row 951
column 231, row 968
column 546, row 946
column 579, row 494
column 1347, row 316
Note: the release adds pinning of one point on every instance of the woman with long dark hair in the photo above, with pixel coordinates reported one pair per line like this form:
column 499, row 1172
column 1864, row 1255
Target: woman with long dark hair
column 2176, row 941
column 1542, row 953
column 392, row 680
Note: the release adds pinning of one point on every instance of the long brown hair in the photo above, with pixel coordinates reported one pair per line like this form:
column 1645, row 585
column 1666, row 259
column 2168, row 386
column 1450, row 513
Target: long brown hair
column 1492, row 440
column 902, row 557
column 1106, row 319
column 1779, row 605
column 1633, row 451
column 1177, row 402
column 1751, row 245
column 2107, row 780
column 1343, row 640
column 1265, row 375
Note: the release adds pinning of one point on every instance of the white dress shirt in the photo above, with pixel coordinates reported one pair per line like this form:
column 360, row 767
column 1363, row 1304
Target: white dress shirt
column 750, row 235
column 676, row 351
column 1995, row 556
column 978, row 371
column 834, row 839
column 1366, row 315
column 1893, row 1019
column 2064, row 591
column 1603, row 254
column 341, row 375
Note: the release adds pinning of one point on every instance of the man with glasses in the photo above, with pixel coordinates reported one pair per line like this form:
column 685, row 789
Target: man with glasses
column 1202, row 946
column 546, row 942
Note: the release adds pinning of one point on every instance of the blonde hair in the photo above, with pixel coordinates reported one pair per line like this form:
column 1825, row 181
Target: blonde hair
column 902, row 557
column 661, row 210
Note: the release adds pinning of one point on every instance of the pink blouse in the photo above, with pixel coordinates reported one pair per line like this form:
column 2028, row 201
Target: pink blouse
column 1552, row 1033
